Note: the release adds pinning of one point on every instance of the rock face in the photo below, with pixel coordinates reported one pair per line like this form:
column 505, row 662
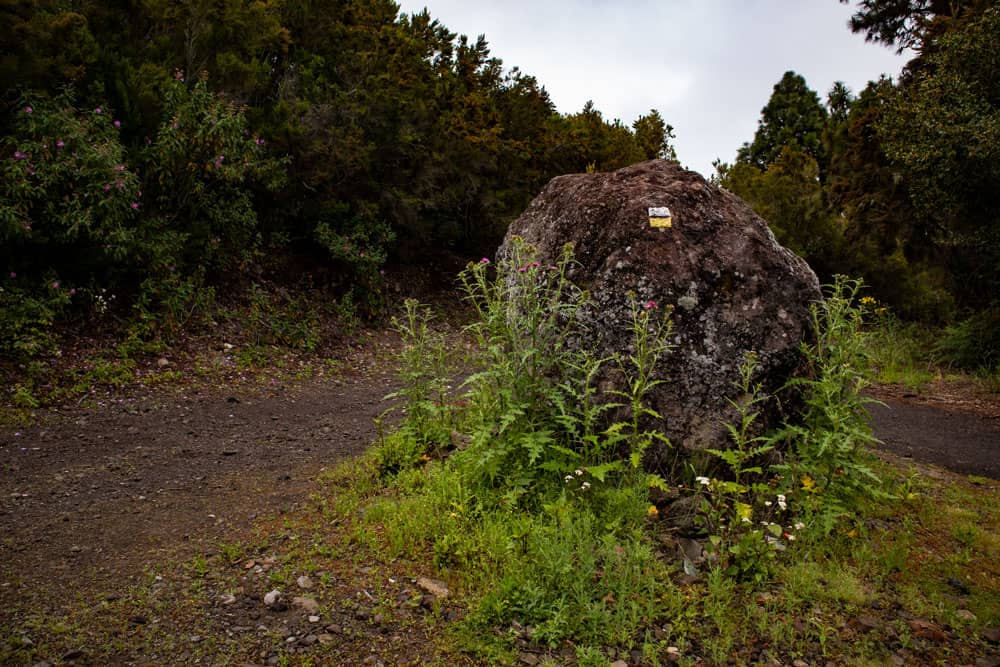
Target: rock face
column 732, row 287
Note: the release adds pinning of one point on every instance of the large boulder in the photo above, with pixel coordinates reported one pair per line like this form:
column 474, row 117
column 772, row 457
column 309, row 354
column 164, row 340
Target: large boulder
column 732, row 287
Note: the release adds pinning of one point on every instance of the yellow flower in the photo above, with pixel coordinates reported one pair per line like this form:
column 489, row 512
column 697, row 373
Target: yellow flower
column 808, row 484
column 652, row 511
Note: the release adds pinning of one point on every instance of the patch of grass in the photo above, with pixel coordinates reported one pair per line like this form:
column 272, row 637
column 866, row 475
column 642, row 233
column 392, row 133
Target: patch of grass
column 901, row 353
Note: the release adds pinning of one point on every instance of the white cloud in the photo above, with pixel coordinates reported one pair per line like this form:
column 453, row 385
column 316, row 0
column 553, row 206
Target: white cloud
column 707, row 65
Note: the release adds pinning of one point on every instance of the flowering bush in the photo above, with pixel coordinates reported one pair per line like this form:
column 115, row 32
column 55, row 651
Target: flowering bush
column 68, row 215
column 202, row 169
column 64, row 183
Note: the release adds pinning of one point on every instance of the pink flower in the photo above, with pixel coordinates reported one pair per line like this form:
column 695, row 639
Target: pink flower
column 59, row 143
column 28, row 109
column 119, row 167
column 72, row 291
column 18, row 155
column 260, row 141
column 135, row 206
column 107, row 187
column 13, row 275
column 178, row 75
column 97, row 110
column 484, row 260
column 219, row 160
column 55, row 284
column 650, row 305
column 117, row 124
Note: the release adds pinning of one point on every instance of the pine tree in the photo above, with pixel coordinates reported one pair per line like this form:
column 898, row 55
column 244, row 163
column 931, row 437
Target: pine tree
column 793, row 118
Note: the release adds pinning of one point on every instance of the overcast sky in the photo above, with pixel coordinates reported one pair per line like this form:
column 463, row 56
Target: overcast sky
column 708, row 66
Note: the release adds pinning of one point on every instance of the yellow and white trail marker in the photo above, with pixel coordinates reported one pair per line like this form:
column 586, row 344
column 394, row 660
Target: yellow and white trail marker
column 659, row 217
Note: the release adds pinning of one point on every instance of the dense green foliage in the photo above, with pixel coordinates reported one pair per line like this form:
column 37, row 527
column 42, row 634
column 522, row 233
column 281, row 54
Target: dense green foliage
column 900, row 183
column 266, row 137
column 527, row 482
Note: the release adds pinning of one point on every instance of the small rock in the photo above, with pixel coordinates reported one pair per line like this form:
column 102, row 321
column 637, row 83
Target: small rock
column 162, row 362
column 272, row 598
column 324, row 638
column 800, row 663
column 304, row 582
column 528, row 658
column 927, row 630
column 435, row 587
column 865, row 623
column 314, row 619
column 227, row 599
column 308, row 605
column 988, row 661
column 619, row 663
column 965, row 615
column 43, row 663
column 195, row 639
column 308, row 640
column 959, row 585
column 333, row 629
column 992, row 635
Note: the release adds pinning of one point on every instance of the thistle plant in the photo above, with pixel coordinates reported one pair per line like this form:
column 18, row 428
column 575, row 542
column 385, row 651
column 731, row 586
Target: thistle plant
column 535, row 415
column 828, row 467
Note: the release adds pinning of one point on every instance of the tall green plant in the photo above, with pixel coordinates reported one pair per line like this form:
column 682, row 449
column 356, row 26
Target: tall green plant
column 537, row 419
column 830, row 460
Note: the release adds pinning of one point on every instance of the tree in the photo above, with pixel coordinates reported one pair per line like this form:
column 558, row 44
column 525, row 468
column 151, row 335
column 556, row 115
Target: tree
column 943, row 131
column 884, row 240
column 911, row 24
column 793, row 118
column 653, row 136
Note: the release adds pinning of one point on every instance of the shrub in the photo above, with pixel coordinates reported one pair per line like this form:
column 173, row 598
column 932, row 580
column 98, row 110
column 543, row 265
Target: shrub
column 68, row 212
column 973, row 343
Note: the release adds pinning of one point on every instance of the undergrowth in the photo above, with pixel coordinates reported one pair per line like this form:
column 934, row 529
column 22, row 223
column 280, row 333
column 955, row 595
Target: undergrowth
column 526, row 487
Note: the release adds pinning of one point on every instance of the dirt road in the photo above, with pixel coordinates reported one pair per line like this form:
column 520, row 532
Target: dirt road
column 963, row 442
